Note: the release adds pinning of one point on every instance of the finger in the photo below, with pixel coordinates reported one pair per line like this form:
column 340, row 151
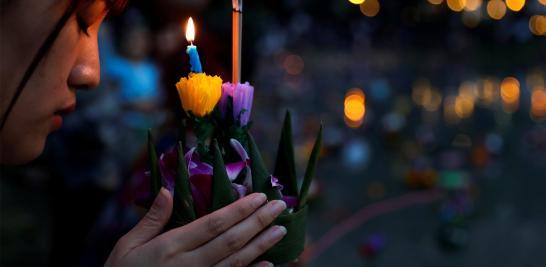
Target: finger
column 210, row 226
column 153, row 222
column 262, row 264
column 255, row 248
column 236, row 237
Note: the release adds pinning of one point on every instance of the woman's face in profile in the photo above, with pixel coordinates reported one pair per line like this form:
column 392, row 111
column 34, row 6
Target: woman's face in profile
column 71, row 63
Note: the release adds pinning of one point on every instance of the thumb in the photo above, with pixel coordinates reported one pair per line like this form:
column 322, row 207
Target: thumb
column 153, row 222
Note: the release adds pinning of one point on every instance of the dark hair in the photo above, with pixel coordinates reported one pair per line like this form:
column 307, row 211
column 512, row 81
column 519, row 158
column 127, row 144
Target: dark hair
column 114, row 6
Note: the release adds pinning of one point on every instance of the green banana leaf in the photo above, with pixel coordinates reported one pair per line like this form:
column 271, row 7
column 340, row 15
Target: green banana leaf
column 261, row 178
column 310, row 170
column 222, row 192
column 285, row 165
column 155, row 176
column 293, row 243
column 183, row 211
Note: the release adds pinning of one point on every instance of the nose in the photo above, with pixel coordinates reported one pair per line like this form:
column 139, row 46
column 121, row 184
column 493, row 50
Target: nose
column 85, row 73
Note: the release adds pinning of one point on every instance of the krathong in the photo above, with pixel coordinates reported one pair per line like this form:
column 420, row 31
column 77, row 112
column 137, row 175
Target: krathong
column 225, row 162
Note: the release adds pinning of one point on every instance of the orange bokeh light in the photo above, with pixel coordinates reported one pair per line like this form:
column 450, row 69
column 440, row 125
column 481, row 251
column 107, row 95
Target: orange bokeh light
column 354, row 107
column 370, row 8
column 496, row 9
column 538, row 104
column 456, row 5
column 515, row 5
column 509, row 90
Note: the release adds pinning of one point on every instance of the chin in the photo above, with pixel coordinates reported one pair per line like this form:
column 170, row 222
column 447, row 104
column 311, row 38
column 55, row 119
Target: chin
column 21, row 153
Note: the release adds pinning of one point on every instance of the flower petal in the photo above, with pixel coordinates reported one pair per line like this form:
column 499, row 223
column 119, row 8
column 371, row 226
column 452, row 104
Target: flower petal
column 201, row 191
column 199, row 93
column 227, row 91
column 248, row 179
column 236, row 145
column 240, row 189
column 233, row 169
column 242, row 103
column 291, row 202
column 195, row 166
column 275, row 183
column 167, row 168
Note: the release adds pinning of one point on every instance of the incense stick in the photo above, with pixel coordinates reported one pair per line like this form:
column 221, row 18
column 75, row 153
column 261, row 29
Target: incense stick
column 237, row 38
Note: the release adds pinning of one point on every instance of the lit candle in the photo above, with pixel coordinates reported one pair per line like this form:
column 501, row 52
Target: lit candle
column 191, row 50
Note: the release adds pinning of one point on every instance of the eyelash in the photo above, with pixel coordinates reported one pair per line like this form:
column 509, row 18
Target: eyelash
column 82, row 24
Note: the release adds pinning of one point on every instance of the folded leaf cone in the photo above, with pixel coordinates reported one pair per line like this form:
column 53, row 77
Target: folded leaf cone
column 183, row 211
column 285, row 165
column 222, row 192
column 293, row 243
column 261, row 181
column 310, row 170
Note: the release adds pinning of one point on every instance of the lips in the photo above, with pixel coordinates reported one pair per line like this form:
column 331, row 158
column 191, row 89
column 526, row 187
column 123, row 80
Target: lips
column 66, row 109
column 57, row 116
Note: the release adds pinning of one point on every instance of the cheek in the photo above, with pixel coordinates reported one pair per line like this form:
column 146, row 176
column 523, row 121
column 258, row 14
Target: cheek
column 31, row 120
column 21, row 143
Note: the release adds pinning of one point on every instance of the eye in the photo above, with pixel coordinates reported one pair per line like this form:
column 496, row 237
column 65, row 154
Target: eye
column 82, row 24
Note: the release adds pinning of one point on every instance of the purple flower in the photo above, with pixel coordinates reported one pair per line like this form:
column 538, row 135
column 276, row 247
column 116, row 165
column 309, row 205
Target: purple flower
column 200, row 175
column 200, row 182
column 242, row 95
column 242, row 103
column 233, row 169
column 167, row 167
column 291, row 201
column 275, row 183
column 227, row 91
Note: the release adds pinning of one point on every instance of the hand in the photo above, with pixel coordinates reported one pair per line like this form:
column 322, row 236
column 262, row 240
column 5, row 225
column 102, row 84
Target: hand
column 227, row 237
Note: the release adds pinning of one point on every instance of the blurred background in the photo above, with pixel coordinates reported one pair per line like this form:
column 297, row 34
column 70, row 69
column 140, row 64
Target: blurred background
column 434, row 113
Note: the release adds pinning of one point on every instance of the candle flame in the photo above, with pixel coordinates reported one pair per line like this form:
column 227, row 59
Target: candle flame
column 190, row 31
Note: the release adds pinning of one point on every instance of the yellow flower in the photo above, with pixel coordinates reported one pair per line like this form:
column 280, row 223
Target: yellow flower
column 199, row 93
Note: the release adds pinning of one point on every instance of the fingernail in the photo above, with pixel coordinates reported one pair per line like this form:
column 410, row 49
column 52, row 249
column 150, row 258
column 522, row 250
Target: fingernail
column 267, row 264
column 161, row 199
column 278, row 231
column 259, row 199
column 277, row 206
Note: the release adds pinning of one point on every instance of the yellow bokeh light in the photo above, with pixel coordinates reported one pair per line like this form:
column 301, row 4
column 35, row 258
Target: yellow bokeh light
column 354, row 107
column 356, row 2
column 487, row 93
column 538, row 104
column 449, row 110
column 542, row 2
column 370, row 8
column 537, row 25
column 464, row 106
column 423, row 95
column 496, row 9
column 509, row 90
column 456, row 5
column 435, row 101
column 515, row 5
column 472, row 5
column 437, row 2
column 469, row 90
column 421, row 92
